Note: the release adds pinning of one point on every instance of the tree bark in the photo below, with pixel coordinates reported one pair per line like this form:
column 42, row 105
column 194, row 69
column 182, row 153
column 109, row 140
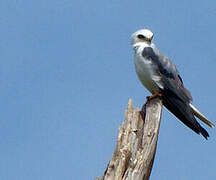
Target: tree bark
column 134, row 153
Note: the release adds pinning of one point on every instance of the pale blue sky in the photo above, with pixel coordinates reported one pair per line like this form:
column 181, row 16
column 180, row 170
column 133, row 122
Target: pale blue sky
column 66, row 73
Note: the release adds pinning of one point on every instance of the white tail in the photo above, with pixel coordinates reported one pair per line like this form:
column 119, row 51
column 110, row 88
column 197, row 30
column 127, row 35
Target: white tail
column 201, row 116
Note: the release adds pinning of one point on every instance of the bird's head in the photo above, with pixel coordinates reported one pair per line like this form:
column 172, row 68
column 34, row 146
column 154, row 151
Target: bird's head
column 141, row 36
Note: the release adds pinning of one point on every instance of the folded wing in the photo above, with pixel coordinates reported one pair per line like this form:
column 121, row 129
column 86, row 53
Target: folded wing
column 176, row 98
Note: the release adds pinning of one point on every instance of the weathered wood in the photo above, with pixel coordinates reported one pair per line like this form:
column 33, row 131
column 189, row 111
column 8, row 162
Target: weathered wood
column 136, row 145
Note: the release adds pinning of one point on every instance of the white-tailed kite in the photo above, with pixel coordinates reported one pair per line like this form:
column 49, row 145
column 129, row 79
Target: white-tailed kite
column 160, row 76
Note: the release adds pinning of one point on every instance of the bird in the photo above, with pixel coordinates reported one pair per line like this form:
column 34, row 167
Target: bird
column 161, row 78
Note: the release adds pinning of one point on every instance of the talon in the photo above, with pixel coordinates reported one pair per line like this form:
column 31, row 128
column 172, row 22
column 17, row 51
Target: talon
column 153, row 96
column 149, row 98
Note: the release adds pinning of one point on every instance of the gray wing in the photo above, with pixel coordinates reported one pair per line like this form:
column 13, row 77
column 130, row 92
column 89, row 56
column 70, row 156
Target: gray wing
column 168, row 72
column 176, row 98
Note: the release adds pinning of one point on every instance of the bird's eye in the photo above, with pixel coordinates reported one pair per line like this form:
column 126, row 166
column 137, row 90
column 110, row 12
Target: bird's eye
column 140, row 36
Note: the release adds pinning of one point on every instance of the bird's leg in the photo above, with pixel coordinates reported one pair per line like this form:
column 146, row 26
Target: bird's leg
column 153, row 96
column 149, row 98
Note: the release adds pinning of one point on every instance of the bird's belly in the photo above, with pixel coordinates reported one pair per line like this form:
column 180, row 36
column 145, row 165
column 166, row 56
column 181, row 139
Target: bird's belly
column 146, row 75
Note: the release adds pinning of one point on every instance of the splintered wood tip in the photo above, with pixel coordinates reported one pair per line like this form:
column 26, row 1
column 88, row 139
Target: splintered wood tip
column 130, row 104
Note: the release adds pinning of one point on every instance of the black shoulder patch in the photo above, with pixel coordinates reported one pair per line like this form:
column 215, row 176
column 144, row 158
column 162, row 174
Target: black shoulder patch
column 148, row 53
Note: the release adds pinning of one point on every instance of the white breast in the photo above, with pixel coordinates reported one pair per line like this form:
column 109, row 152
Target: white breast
column 144, row 70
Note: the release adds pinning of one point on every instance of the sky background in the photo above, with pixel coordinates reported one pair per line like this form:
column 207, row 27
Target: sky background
column 67, row 71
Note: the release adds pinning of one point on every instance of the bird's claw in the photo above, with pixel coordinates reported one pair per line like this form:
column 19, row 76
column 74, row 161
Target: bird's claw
column 153, row 96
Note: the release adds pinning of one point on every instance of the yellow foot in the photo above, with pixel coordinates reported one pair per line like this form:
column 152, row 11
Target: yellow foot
column 149, row 98
column 153, row 96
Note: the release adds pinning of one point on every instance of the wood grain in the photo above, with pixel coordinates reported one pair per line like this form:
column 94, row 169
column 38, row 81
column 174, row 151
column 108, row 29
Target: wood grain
column 134, row 153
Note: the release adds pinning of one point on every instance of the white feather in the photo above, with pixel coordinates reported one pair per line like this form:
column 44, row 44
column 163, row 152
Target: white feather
column 145, row 70
column 201, row 116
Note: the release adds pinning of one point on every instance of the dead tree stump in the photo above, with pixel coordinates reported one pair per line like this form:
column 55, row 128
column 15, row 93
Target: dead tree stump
column 136, row 144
